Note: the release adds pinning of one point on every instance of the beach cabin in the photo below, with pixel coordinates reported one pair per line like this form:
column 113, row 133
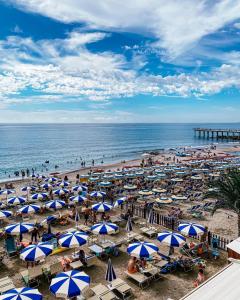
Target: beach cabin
column 222, row 286
column 233, row 249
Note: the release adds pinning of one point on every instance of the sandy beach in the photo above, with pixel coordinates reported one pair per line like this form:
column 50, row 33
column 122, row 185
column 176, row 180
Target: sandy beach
column 174, row 286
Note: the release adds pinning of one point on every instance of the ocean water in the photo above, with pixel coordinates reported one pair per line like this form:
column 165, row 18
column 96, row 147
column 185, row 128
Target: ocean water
column 29, row 146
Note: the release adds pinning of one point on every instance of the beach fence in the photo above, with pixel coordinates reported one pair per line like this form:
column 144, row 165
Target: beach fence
column 172, row 223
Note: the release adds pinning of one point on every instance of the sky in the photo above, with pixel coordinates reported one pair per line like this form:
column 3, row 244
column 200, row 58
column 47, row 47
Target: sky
column 114, row 61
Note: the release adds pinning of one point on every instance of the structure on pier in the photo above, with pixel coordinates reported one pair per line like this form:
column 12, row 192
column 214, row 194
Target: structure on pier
column 232, row 134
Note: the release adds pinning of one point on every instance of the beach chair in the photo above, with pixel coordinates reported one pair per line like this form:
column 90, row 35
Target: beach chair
column 31, row 276
column 194, row 208
column 91, row 260
column 121, row 289
column 141, row 279
column 54, row 269
column 103, row 293
column 11, row 246
column 6, row 284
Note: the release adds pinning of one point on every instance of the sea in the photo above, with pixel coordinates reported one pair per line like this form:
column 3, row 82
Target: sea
column 48, row 147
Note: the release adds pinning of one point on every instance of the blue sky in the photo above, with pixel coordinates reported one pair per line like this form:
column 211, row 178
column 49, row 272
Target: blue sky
column 115, row 61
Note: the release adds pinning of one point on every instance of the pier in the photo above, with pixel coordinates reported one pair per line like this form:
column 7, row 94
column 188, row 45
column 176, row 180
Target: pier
column 229, row 134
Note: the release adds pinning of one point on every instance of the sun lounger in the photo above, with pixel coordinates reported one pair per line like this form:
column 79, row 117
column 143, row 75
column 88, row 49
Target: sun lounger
column 103, row 293
column 6, row 284
column 141, row 279
column 31, row 276
column 121, row 289
column 11, row 247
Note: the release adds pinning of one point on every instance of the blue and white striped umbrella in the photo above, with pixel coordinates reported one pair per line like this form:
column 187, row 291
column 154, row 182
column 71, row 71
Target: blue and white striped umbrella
column 98, row 194
column 129, row 226
column 77, row 217
column 40, row 176
column 61, row 192
column 49, row 219
column 150, row 219
column 80, row 188
column 23, row 293
column 77, row 199
column 7, row 192
column 36, row 252
column 51, row 179
column 73, row 239
column 110, row 274
column 28, row 188
column 69, row 284
column 119, row 201
column 29, row 209
column 55, row 204
column 19, row 228
column 39, row 196
column 4, row 214
column 104, row 228
column 3, row 204
column 64, row 184
column 16, row 200
column 191, row 229
column 142, row 249
column 101, row 207
column 171, row 239
column 46, row 186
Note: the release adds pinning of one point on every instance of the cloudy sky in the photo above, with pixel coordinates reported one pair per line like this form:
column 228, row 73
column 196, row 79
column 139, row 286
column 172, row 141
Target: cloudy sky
column 119, row 61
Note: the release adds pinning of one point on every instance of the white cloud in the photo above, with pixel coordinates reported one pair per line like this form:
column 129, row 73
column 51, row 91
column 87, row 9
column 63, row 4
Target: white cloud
column 65, row 70
column 176, row 24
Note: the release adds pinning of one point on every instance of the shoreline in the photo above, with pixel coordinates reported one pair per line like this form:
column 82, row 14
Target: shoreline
column 220, row 149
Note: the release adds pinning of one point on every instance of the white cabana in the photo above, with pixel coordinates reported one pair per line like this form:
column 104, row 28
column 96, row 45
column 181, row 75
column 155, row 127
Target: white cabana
column 223, row 285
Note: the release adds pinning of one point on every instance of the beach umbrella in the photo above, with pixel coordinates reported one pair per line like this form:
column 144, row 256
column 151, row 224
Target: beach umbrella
column 73, row 239
column 142, row 249
column 36, row 252
column 110, row 274
column 19, row 228
column 28, row 188
column 3, row 204
column 77, row 199
column 77, row 217
column 4, row 214
column 130, row 187
column 6, row 192
column 80, row 188
column 40, row 176
column 23, row 293
column 29, row 209
column 101, row 207
column 49, row 219
column 46, row 186
column 69, row 284
column 61, row 192
column 98, row 194
column 129, row 226
column 55, row 204
column 119, row 201
column 64, row 184
column 39, row 196
column 150, row 219
column 51, row 179
column 171, row 239
column 105, row 183
column 104, row 228
column 16, row 200
column 191, row 229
